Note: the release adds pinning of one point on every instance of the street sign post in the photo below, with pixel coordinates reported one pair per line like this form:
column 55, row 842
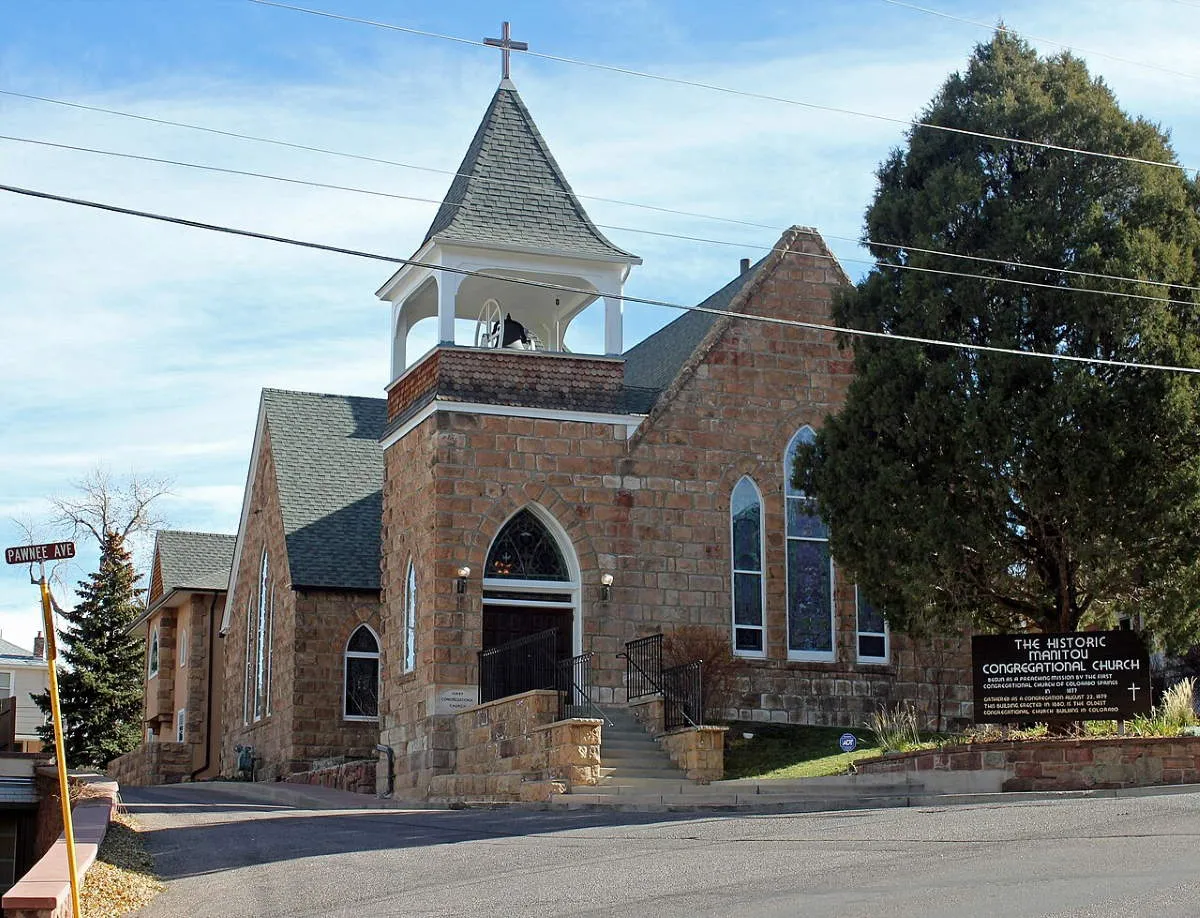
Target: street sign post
column 40, row 554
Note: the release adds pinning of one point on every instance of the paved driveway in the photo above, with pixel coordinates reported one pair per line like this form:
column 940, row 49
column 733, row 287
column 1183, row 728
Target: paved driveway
column 223, row 855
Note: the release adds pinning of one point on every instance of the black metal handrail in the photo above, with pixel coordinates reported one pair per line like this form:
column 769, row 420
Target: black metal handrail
column 518, row 666
column 680, row 686
column 574, row 685
column 683, row 696
column 643, row 667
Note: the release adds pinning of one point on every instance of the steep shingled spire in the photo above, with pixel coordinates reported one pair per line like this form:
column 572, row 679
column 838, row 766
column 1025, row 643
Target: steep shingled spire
column 511, row 192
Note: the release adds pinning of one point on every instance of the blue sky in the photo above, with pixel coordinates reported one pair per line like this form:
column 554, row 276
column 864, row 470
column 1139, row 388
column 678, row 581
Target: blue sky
column 142, row 348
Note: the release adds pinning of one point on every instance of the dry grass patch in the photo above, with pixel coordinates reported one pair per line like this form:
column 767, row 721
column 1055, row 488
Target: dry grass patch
column 122, row 880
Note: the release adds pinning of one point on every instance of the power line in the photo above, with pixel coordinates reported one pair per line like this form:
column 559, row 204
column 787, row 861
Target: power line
column 562, row 288
column 1045, row 41
column 535, row 187
column 628, row 229
column 679, row 81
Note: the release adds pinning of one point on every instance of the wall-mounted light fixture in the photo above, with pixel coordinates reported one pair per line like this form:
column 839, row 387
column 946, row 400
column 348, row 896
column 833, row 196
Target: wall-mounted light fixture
column 460, row 585
column 606, row 582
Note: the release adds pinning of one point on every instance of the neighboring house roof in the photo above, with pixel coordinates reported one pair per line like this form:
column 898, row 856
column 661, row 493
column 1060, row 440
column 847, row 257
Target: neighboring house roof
column 652, row 364
column 510, row 191
column 12, row 655
column 194, row 560
column 329, row 469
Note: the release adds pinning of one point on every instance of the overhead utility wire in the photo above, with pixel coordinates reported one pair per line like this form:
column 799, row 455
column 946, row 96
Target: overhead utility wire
column 679, row 81
column 1045, row 41
column 562, row 288
column 545, row 188
column 624, row 229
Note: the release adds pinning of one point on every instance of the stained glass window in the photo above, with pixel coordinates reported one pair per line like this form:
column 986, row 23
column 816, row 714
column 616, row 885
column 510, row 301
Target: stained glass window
column 410, row 619
column 745, row 513
column 809, row 566
column 525, row 550
column 362, row 674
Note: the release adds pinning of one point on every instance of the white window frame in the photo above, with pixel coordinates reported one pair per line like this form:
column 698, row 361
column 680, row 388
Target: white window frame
column 248, row 682
column 181, row 725
column 270, row 650
column 260, row 637
column 804, row 656
column 12, row 683
column 183, row 649
column 152, row 654
column 761, row 573
column 859, row 633
column 347, row 655
column 410, row 619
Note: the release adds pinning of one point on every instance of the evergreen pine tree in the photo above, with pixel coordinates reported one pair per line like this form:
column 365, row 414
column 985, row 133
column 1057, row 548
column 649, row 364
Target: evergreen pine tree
column 1020, row 492
column 101, row 693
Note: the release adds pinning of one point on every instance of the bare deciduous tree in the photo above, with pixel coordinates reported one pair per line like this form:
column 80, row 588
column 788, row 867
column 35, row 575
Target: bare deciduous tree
column 107, row 505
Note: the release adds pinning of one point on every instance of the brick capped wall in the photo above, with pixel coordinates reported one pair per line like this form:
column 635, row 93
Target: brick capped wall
column 505, row 376
column 1061, row 764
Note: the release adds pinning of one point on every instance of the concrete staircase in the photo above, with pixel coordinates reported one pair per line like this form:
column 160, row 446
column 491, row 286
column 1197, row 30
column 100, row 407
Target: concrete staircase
column 632, row 763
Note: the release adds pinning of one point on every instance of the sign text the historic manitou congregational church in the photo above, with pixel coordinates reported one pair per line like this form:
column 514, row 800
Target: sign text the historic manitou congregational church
column 1097, row 675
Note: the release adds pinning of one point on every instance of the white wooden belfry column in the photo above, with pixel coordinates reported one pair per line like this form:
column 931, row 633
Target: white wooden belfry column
column 613, row 335
column 399, row 340
column 447, row 287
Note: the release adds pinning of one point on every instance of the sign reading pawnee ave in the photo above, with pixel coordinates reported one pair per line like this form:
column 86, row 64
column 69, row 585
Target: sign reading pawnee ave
column 31, row 554
column 1091, row 675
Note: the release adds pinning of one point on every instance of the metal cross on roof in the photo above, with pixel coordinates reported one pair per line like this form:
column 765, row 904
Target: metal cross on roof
column 506, row 45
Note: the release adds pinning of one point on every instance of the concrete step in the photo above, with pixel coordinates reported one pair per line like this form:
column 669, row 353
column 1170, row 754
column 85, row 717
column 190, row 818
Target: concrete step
column 667, row 772
column 642, row 801
column 629, row 757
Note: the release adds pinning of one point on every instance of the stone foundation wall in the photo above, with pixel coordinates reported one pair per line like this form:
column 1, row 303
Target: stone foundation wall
column 356, row 777
column 1061, row 765
column 699, row 751
column 516, row 749
column 151, row 764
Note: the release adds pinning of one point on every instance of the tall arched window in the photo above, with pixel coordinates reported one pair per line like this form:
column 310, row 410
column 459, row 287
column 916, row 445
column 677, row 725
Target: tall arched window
column 152, row 655
column 260, row 633
column 362, row 675
column 410, row 618
column 809, row 567
column 746, row 536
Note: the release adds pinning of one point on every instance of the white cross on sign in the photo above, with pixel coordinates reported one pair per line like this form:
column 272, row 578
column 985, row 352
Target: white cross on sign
column 1133, row 690
column 506, row 45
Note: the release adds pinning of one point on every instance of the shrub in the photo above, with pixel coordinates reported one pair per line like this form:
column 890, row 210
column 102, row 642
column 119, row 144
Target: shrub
column 1177, row 711
column 895, row 728
column 703, row 642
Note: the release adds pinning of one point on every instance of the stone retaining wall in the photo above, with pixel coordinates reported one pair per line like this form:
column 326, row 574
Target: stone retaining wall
column 1061, row 764
column 699, row 751
column 358, row 777
column 516, row 749
column 152, row 763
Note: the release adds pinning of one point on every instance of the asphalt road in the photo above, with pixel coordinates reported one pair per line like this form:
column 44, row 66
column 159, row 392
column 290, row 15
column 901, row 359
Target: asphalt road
column 224, row 856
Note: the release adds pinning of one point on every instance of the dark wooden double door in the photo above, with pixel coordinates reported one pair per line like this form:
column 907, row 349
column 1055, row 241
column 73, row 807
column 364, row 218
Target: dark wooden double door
column 502, row 624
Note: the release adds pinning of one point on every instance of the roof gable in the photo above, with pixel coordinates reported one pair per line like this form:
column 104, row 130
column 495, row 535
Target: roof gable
column 509, row 190
column 192, row 560
column 12, row 655
column 329, row 471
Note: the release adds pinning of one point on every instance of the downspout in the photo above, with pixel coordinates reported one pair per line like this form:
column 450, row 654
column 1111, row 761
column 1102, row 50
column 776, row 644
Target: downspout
column 212, row 655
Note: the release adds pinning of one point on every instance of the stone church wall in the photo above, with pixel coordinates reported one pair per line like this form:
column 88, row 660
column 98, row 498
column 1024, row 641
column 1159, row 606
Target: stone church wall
column 304, row 722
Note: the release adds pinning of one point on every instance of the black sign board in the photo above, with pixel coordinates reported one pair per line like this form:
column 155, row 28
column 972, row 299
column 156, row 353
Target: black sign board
column 31, row 554
column 1096, row 675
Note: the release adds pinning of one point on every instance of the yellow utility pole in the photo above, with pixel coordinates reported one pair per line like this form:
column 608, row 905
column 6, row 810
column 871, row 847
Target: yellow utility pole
column 27, row 554
column 60, row 755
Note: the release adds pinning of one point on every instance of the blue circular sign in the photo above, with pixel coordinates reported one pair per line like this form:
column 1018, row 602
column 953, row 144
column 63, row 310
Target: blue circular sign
column 848, row 742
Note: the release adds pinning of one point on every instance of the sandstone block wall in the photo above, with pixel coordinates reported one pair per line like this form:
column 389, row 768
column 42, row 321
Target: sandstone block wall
column 698, row 751
column 356, row 777
column 151, row 764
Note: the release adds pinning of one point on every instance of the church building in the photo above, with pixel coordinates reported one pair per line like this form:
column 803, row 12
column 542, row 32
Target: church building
column 512, row 492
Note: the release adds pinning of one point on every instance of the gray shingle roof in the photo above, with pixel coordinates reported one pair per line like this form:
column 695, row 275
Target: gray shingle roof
column 194, row 560
column 329, row 467
column 653, row 363
column 10, row 653
column 510, row 190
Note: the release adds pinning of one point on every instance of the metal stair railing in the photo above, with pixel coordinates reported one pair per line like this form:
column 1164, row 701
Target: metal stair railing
column 574, row 684
column 518, row 666
column 680, row 686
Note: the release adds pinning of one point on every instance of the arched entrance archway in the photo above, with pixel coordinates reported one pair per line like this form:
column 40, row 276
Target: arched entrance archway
column 531, row 582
